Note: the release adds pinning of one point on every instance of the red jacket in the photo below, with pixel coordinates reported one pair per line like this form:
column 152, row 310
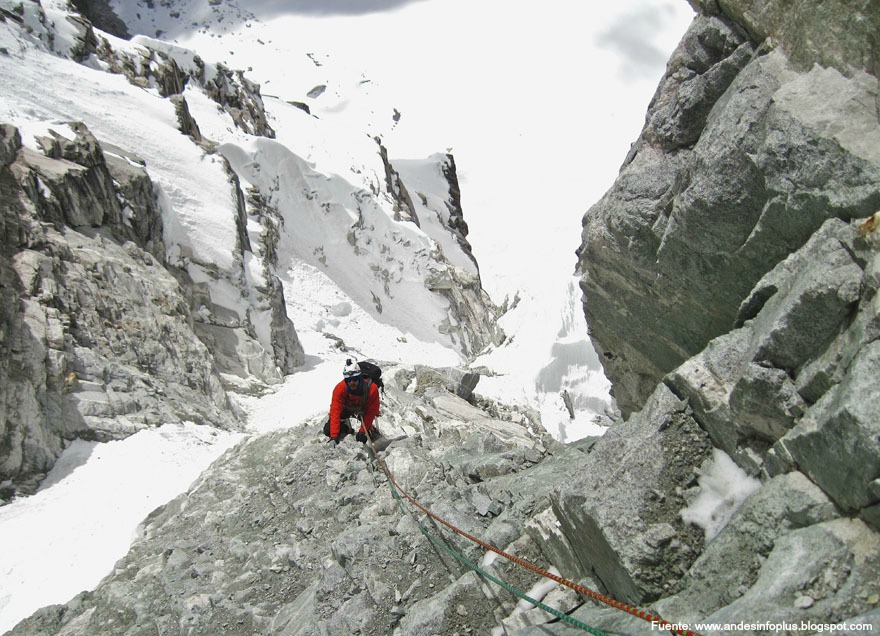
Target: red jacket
column 355, row 404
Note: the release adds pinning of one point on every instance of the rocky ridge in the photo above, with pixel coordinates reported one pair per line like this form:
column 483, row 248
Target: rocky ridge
column 288, row 535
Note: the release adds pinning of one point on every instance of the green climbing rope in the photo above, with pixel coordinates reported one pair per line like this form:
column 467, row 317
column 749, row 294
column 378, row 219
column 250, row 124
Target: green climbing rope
column 516, row 592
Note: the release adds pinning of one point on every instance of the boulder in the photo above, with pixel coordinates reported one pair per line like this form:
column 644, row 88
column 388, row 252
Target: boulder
column 820, row 574
column 732, row 562
column 620, row 510
column 836, row 442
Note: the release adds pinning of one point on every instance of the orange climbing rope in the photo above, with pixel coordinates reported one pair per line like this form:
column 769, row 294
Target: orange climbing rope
column 607, row 600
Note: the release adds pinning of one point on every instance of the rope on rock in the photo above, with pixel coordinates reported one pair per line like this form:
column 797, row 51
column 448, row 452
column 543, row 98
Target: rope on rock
column 607, row 600
column 513, row 590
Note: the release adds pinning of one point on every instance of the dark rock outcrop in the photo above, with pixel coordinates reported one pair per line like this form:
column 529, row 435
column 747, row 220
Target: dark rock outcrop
column 456, row 212
column 404, row 209
column 102, row 16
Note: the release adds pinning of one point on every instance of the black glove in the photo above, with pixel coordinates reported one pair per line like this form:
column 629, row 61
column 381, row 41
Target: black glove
column 361, row 437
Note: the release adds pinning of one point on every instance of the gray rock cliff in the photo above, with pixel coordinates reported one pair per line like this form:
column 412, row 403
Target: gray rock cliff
column 743, row 157
column 98, row 335
column 730, row 281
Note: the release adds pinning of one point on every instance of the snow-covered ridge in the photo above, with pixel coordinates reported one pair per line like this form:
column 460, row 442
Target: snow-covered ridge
column 265, row 216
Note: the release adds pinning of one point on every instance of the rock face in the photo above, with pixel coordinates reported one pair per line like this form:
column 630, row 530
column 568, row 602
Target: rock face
column 833, row 34
column 743, row 157
column 635, row 540
column 98, row 336
column 730, row 284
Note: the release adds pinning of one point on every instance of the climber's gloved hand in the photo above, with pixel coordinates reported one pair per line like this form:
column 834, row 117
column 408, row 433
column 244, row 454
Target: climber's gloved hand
column 361, row 437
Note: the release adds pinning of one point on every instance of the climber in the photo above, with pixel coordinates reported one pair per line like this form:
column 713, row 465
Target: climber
column 355, row 396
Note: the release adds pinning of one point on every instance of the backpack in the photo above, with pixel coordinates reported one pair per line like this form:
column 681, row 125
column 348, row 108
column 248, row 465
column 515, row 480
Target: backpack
column 373, row 372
